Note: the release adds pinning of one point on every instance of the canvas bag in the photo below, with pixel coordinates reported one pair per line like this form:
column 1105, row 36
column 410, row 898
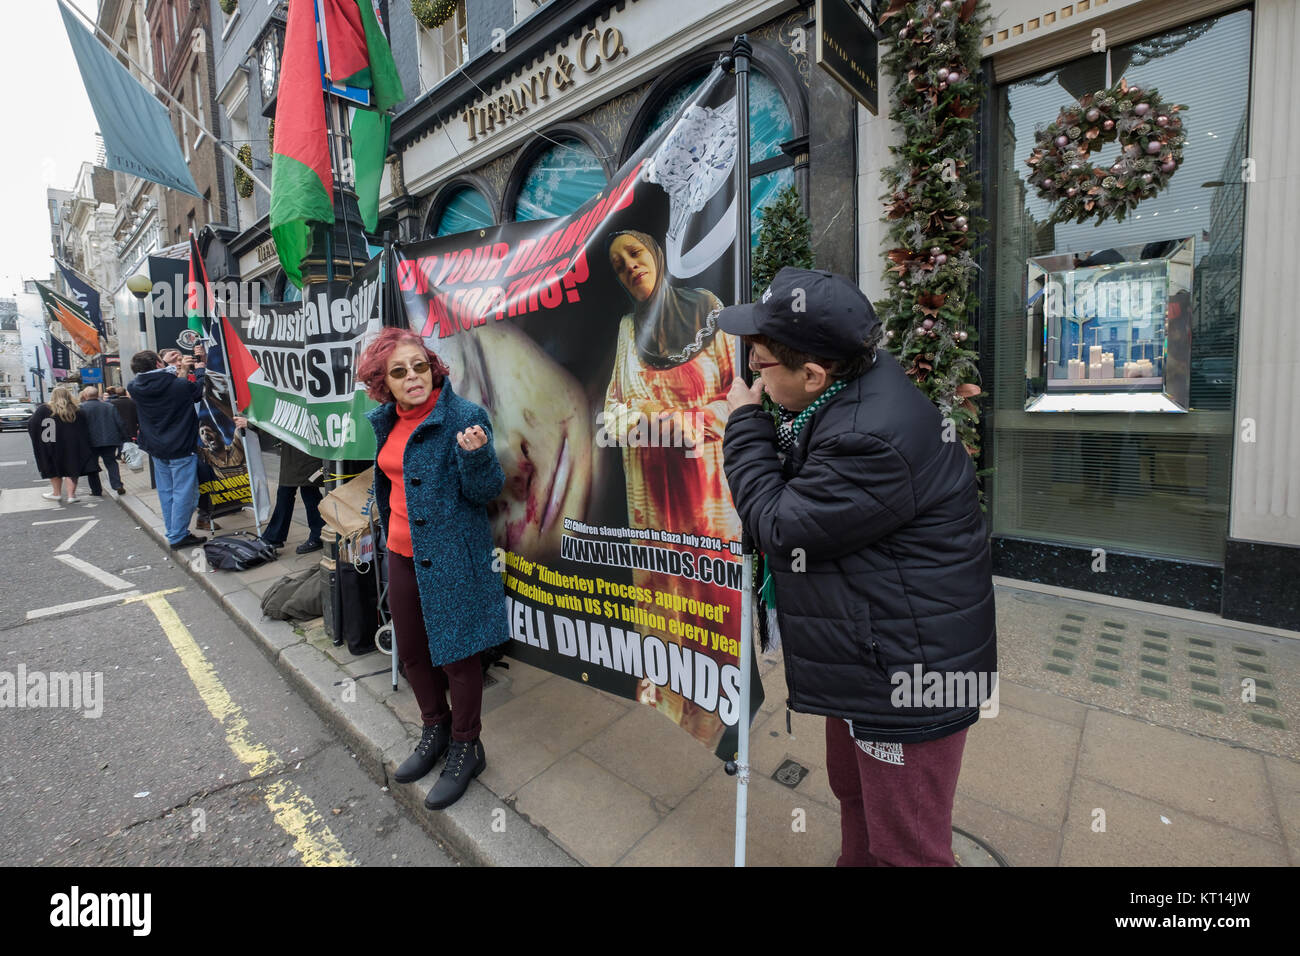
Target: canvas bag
column 347, row 508
column 295, row 597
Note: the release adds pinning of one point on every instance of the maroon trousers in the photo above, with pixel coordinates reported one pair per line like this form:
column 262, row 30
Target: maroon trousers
column 895, row 799
column 464, row 679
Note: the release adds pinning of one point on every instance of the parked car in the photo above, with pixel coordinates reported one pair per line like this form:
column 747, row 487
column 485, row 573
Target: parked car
column 15, row 416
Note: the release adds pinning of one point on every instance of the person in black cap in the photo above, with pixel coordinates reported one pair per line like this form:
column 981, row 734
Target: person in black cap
column 866, row 509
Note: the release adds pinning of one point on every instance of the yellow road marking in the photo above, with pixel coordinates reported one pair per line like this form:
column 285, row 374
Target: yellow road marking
column 293, row 810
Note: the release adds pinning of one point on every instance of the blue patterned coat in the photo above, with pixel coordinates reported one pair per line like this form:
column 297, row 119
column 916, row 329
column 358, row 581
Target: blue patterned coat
column 447, row 490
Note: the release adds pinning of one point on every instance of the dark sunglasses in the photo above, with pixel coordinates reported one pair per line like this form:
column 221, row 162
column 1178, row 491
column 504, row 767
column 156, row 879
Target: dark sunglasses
column 419, row 368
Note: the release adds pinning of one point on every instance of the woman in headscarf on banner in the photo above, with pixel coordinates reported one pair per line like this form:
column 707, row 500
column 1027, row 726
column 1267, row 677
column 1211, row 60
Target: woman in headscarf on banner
column 435, row 472
column 61, row 444
column 666, row 407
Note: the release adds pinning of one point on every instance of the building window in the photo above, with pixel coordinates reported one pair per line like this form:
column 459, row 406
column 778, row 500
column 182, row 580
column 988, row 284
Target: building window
column 160, row 54
column 770, row 125
column 559, row 180
column 1149, row 482
column 443, row 49
column 463, row 210
column 198, row 108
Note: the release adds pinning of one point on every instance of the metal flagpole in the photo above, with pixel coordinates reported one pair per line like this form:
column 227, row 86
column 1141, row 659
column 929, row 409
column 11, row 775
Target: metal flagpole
column 740, row 54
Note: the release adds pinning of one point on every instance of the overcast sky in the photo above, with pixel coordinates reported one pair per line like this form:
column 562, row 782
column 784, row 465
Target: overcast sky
column 50, row 132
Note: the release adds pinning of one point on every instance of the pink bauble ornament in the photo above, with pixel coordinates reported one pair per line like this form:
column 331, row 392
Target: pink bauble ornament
column 954, row 77
column 1048, row 183
column 1147, row 178
column 946, row 6
column 963, row 228
column 1071, row 191
column 960, row 221
column 961, row 336
column 943, row 72
column 940, row 259
column 1135, row 92
column 928, row 324
column 1093, row 115
column 1108, row 125
column 1154, row 147
column 1168, row 166
column 1162, row 120
column 1142, row 109
column 935, row 250
column 1062, row 140
column 889, row 334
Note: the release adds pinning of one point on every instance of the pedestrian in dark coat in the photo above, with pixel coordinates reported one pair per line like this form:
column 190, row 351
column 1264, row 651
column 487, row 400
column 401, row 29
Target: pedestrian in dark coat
column 126, row 409
column 106, row 437
column 435, row 472
column 867, row 512
column 61, row 445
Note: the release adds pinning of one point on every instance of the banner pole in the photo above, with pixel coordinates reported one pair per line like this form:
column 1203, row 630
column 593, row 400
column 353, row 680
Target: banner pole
column 740, row 55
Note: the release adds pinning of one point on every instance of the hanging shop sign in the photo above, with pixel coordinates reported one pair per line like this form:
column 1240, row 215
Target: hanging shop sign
column 846, row 49
column 593, row 50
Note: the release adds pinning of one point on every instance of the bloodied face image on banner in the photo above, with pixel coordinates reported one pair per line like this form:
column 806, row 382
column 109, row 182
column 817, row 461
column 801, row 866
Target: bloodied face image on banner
column 592, row 342
column 297, row 362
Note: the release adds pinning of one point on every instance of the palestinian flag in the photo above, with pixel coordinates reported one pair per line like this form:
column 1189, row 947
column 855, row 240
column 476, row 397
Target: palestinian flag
column 240, row 363
column 199, row 303
column 357, row 53
column 72, row 317
column 302, row 190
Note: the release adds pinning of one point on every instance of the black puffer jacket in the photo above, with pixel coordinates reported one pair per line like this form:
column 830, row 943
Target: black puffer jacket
column 895, row 564
column 169, row 426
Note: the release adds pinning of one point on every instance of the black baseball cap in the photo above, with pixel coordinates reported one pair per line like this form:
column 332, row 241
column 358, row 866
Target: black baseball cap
column 818, row 313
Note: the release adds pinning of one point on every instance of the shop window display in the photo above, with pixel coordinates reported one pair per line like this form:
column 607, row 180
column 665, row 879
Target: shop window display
column 1114, row 327
column 1160, row 325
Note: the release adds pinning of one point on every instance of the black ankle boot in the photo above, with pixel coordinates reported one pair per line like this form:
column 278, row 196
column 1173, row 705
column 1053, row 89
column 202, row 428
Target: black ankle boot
column 465, row 761
column 432, row 745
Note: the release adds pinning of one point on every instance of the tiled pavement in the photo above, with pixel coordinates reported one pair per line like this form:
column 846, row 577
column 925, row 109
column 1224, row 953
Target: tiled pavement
column 1125, row 736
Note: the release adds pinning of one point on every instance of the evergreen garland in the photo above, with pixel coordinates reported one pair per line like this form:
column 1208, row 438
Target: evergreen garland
column 933, row 58
column 784, row 239
column 432, row 14
column 243, row 181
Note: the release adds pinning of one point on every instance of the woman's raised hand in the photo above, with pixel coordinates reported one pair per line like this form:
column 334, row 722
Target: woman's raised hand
column 471, row 438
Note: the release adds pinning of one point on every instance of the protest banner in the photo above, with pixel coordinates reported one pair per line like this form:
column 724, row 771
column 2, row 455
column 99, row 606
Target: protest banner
column 591, row 340
column 297, row 361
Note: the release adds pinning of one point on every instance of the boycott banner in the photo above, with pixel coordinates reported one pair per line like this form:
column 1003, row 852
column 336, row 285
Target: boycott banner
column 298, row 362
column 592, row 342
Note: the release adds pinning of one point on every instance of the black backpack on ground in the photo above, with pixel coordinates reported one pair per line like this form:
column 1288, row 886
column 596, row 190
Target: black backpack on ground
column 237, row 552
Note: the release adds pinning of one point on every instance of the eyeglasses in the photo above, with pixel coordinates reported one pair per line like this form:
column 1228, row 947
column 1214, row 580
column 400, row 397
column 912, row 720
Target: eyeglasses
column 759, row 366
column 419, row 368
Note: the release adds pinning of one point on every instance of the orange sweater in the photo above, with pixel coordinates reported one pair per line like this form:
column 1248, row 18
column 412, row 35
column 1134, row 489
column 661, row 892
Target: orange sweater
column 390, row 463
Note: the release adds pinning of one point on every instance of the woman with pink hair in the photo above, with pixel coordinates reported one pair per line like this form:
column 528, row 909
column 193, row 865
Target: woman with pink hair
column 435, row 472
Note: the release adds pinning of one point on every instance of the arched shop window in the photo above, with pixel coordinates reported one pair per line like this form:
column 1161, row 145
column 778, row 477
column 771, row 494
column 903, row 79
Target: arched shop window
column 770, row 125
column 465, row 208
column 559, row 180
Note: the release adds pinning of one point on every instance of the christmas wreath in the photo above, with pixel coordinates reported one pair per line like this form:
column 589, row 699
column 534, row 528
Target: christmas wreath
column 432, row 14
column 243, row 181
column 1151, row 138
